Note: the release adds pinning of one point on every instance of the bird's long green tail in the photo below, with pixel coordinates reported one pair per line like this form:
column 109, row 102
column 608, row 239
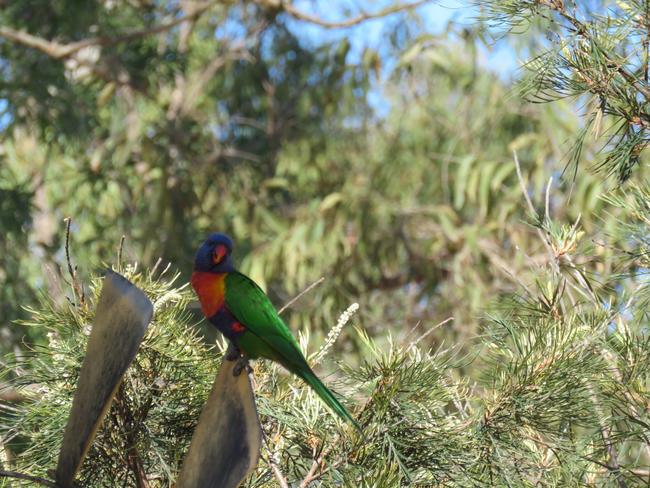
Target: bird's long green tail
column 328, row 397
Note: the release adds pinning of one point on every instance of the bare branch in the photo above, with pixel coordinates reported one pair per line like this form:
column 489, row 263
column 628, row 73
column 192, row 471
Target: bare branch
column 547, row 200
column 27, row 477
column 298, row 14
column 278, row 474
column 431, row 330
column 76, row 287
column 305, row 291
column 51, row 48
column 273, row 462
column 57, row 50
column 314, row 472
column 489, row 251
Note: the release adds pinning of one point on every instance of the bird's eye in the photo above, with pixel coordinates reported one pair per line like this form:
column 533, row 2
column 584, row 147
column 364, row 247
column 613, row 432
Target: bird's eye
column 219, row 253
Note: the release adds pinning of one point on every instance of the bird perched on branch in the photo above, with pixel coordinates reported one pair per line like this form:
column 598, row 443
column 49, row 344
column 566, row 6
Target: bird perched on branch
column 235, row 305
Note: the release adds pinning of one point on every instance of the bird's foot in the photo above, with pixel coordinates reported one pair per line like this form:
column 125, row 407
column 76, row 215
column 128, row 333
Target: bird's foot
column 241, row 365
column 232, row 353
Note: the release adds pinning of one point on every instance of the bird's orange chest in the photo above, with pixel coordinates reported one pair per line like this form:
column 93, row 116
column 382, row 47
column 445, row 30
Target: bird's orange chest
column 211, row 289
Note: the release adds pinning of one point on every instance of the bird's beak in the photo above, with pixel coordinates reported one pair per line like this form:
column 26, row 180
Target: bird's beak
column 218, row 253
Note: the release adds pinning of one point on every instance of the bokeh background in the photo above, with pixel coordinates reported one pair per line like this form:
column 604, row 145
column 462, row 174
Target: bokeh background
column 374, row 152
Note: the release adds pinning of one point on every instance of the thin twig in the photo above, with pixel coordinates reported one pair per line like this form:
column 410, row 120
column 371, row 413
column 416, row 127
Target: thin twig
column 522, row 184
column 413, row 329
column 120, row 249
column 274, row 464
column 605, row 431
column 548, row 199
column 68, row 223
column 431, row 330
column 27, row 477
column 300, row 15
column 76, row 287
column 155, row 267
column 278, row 474
column 128, row 417
column 313, row 473
column 282, row 481
column 187, row 91
column 486, row 247
column 304, row 292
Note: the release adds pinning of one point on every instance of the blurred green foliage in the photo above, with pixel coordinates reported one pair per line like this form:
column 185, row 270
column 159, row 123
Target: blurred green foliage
column 232, row 122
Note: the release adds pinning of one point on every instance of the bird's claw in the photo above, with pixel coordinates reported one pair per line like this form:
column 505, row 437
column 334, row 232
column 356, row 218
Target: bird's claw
column 241, row 365
column 232, row 353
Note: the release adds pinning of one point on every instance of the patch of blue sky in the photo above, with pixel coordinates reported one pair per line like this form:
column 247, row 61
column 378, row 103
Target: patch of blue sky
column 5, row 115
column 432, row 18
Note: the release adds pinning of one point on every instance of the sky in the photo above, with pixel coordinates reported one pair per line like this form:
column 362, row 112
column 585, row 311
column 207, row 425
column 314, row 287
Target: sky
column 498, row 57
column 435, row 16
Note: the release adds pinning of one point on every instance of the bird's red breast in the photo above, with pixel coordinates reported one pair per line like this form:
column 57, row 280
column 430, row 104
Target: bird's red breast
column 210, row 288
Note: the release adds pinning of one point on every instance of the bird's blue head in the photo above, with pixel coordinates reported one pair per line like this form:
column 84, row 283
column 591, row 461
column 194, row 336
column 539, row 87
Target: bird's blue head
column 214, row 255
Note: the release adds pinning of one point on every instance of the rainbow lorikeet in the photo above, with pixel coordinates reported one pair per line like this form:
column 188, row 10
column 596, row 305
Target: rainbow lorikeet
column 243, row 313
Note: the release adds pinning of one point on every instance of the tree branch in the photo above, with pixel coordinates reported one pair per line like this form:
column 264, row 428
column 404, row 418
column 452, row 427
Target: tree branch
column 187, row 93
column 27, row 477
column 76, row 287
column 278, row 474
column 299, row 295
column 300, row 15
column 314, row 472
column 57, row 50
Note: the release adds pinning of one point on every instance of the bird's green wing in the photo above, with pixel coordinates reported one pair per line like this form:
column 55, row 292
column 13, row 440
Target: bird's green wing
column 269, row 337
column 250, row 306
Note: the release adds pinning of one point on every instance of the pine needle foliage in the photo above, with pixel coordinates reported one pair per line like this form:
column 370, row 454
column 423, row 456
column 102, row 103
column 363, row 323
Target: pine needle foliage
column 561, row 400
column 151, row 420
column 636, row 201
column 597, row 53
